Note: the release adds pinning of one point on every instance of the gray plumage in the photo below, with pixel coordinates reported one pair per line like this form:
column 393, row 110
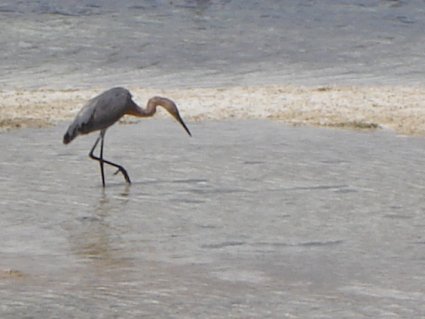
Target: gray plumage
column 107, row 108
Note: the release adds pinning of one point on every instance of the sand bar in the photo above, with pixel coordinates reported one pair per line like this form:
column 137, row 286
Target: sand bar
column 398, row 108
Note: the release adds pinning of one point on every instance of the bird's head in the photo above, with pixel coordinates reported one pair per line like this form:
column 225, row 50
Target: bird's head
column 170, row 106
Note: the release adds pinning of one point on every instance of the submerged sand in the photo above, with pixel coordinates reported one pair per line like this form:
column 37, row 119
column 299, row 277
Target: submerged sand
column 401, row 109
column 248, row 219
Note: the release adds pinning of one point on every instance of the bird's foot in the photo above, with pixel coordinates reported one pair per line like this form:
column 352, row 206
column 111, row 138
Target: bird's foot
column 124, row 173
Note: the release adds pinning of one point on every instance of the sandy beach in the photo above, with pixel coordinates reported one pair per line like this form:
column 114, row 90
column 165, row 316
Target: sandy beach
column 398, row 108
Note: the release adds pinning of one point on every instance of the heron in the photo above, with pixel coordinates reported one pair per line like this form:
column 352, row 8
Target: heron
column 102, row 111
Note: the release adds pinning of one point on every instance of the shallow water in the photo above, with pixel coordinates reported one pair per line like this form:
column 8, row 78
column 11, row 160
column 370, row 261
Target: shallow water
column 57, row 44
column 247, row 219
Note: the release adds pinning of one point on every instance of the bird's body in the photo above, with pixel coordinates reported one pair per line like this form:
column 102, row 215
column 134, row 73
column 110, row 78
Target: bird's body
column 107, row 108
column 99, row 113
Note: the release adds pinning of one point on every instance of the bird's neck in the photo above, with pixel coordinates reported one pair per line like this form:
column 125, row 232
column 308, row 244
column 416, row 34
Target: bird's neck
column 151, row 107
column 138, row 111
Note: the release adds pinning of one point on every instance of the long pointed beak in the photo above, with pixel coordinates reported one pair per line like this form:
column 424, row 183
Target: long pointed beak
column 170, row 106
column 178, row 117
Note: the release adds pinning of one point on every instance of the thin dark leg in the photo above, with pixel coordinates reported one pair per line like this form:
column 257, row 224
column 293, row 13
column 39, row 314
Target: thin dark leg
column 102, row 135
column 101, row 160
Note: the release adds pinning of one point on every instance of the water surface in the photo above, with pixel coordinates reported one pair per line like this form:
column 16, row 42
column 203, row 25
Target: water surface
column 247, row 219
column 185, row 43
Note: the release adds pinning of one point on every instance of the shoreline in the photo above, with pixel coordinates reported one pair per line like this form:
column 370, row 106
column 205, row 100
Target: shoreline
column 398, row 108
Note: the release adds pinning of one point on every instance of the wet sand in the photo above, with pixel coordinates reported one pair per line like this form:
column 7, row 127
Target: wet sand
column 247, row 219
column 401, row 109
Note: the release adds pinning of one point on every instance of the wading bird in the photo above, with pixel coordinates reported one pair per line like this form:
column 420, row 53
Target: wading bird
column 104, row 110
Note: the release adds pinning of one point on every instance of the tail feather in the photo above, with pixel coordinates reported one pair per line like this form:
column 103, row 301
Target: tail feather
column 70, row 134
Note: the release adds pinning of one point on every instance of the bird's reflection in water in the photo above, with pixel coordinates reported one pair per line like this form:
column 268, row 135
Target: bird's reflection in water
column 94, row 238
column 109, row 202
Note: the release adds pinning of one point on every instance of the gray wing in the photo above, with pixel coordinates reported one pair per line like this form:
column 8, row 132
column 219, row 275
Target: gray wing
column 99, row 113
